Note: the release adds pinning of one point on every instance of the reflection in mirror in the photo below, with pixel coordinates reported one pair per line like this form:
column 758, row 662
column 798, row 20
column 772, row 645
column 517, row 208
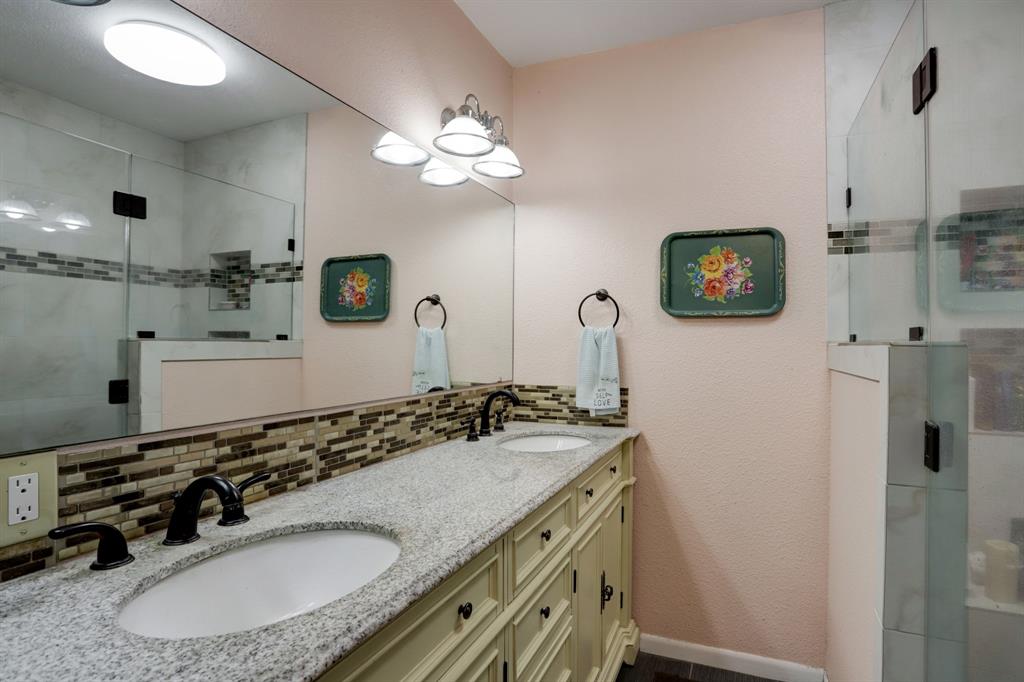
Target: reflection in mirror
column 161, row 244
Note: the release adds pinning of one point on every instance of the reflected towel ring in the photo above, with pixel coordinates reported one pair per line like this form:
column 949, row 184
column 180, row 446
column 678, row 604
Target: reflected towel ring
column 602, row 295
column 433, row 299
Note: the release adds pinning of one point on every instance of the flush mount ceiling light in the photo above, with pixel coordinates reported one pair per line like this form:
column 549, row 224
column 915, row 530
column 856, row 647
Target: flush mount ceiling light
column 464, row 132
column 47, row 228
column 398, row 151
column 15, row 209
column 440, row 174
column 502, row 162
column 73, row 220
column 164, row 53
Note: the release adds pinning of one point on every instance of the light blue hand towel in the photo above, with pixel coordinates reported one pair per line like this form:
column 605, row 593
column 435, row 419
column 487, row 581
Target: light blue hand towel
column 597, row 371
column 430, row 363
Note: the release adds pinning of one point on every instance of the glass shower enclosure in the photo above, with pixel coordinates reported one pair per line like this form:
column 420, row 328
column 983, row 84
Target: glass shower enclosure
column 936, row 258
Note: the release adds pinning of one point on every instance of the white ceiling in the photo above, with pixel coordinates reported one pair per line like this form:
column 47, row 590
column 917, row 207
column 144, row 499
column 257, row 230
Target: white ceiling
column 533, row 31
column 58, row 49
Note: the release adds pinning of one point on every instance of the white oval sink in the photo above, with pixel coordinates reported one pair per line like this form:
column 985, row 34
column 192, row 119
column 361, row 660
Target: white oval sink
column 259, row 584
column 545, row 443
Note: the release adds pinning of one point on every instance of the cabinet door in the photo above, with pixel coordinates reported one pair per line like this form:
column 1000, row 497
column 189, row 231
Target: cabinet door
column 611, row 565
column 587, row 605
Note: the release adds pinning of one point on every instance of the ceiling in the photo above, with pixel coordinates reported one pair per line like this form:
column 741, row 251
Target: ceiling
column 533, row 31
column 58, row 49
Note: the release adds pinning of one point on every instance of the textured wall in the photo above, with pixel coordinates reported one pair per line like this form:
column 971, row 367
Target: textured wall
column 398, row 61
column 721, row 128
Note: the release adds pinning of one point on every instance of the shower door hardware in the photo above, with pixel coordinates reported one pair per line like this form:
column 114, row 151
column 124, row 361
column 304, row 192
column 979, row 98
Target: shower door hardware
column 130, row 205
column 291, row 245
column 117, row 391
column 916, row 334
column 849, row 197
column 925, row 80
column 932, row 448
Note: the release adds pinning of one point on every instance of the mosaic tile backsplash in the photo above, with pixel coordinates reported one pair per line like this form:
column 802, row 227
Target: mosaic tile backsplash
column 132, row 486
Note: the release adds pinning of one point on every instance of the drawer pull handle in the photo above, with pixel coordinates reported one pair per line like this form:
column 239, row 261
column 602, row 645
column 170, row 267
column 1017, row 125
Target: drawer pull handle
column 466, row 610
column 589, row 492
column 546, row 534
column 546, row 612
column 614, row 469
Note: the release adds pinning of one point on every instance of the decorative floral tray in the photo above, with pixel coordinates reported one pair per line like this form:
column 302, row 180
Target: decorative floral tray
column 723, row 273
column 355, row 288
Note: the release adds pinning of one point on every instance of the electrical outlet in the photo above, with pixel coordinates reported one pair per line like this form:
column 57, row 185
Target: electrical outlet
column 22, row 498
column 36, row 474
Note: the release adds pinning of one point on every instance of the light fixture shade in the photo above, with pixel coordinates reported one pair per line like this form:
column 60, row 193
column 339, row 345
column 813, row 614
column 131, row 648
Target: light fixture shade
column 47, row 228
column 464, row 136
column 15, row 209
column 501, row 163
column 440, row 174
column 164, row 53
column 398, row 151
column 73, row 220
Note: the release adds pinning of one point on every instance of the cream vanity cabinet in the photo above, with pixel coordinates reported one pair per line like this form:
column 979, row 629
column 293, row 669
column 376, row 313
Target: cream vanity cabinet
column 548, row 602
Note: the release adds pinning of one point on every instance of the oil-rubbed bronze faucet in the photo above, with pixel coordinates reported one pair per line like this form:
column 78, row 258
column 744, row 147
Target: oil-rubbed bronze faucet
column 485, row 411
column 185, row 517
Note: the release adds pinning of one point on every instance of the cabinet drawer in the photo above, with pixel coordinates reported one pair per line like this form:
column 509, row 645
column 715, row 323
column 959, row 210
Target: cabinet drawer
column 424, row 640
column 591, row 490
column 536, row 622
column 537, row 537
column 480, row 666
column 556, row 664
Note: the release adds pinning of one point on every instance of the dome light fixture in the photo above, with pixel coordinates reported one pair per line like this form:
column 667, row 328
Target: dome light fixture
column 502, row 162
column 465, row 132
column 16, row 209
column 73, row 220
column 395, row 150
column 164, row 53
column 440, row 174
column 47, row 228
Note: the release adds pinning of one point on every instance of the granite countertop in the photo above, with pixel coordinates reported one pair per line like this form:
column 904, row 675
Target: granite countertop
column 444, row 504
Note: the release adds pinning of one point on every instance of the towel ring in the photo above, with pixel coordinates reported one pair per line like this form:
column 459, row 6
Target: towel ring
column 602, row 295
column 433, row 299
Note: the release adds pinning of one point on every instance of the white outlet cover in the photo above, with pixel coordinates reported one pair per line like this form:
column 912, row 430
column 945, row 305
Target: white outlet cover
column 22, row 498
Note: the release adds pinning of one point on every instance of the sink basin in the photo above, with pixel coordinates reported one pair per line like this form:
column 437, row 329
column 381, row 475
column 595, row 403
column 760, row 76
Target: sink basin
column 258, row 584
column 545, row 443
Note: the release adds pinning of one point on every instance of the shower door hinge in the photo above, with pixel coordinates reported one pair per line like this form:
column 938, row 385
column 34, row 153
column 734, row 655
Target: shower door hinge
column 291, row 245
column 130, row 205
column 849, row 197
column 925, row 80
column 117, row 391
column 932, row 439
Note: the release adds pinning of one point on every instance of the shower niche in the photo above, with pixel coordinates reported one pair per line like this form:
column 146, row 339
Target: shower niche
column 230, row 280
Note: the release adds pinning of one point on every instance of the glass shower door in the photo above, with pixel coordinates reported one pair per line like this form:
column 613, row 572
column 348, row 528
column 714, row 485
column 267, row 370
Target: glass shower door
column 62, row 290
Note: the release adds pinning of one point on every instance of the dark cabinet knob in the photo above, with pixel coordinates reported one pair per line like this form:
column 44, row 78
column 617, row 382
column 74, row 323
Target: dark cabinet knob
column 466, row 610
column 546, row 534
column 546, row 612
column 614, row 469
column 589, row 492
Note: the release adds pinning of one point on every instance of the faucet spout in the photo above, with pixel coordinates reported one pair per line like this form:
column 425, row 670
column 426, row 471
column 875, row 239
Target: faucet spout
column 185, row 517
column 485, row 411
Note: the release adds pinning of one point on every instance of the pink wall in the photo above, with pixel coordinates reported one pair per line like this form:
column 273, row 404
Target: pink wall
column 721, row 128
column 397, row 61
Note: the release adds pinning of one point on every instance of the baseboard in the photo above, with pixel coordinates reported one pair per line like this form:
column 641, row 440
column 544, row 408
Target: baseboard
column 736, row 661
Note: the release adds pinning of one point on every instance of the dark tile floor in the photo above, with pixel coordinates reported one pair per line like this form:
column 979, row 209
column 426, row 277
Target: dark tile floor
column 651, row 668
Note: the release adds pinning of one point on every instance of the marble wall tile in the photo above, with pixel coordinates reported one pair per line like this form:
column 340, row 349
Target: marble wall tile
column 906, row 532
column 903, row 657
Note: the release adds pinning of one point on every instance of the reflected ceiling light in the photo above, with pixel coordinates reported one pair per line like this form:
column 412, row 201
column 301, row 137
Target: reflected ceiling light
column 502, row 162
column 15, row 209
column 464, row 132
column 440, row 174
column 164, row 53
column 47, row 228
column 73, row 220
column 398, row 151
column 83, row 3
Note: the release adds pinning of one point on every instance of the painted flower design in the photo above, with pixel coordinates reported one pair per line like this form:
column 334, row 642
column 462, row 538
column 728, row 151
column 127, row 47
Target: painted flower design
column 356, row 289
column 721, row 275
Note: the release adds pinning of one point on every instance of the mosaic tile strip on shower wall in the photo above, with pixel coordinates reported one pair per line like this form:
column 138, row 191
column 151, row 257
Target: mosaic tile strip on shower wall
column 887, row 236
column 557, row 405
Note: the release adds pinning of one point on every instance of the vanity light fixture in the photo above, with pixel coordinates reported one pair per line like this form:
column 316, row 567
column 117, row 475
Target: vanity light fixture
column 16, row 209
column 502, row 162
column 47, row 228
column 464, row 132
column 396, row 150
column 164, row 53
column 73, row 220
column 440, row 174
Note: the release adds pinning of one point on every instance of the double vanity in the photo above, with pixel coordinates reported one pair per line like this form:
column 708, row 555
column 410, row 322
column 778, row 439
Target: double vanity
column 502, row 559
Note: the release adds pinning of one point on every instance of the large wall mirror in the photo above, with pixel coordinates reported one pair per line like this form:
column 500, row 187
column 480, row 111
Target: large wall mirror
column 202, row 304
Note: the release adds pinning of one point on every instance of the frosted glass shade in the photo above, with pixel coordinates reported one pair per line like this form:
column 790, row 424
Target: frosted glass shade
column 464, row 136
column 164, row 53
column 398, row 151
column 16, row 209
column 501, row 163
column 440, row 174
column 73, row 220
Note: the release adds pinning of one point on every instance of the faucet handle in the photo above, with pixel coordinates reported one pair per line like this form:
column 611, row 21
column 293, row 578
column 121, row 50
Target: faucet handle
column 499, row 420
column 112, row 550
column 472, row 436
column 253, row 480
